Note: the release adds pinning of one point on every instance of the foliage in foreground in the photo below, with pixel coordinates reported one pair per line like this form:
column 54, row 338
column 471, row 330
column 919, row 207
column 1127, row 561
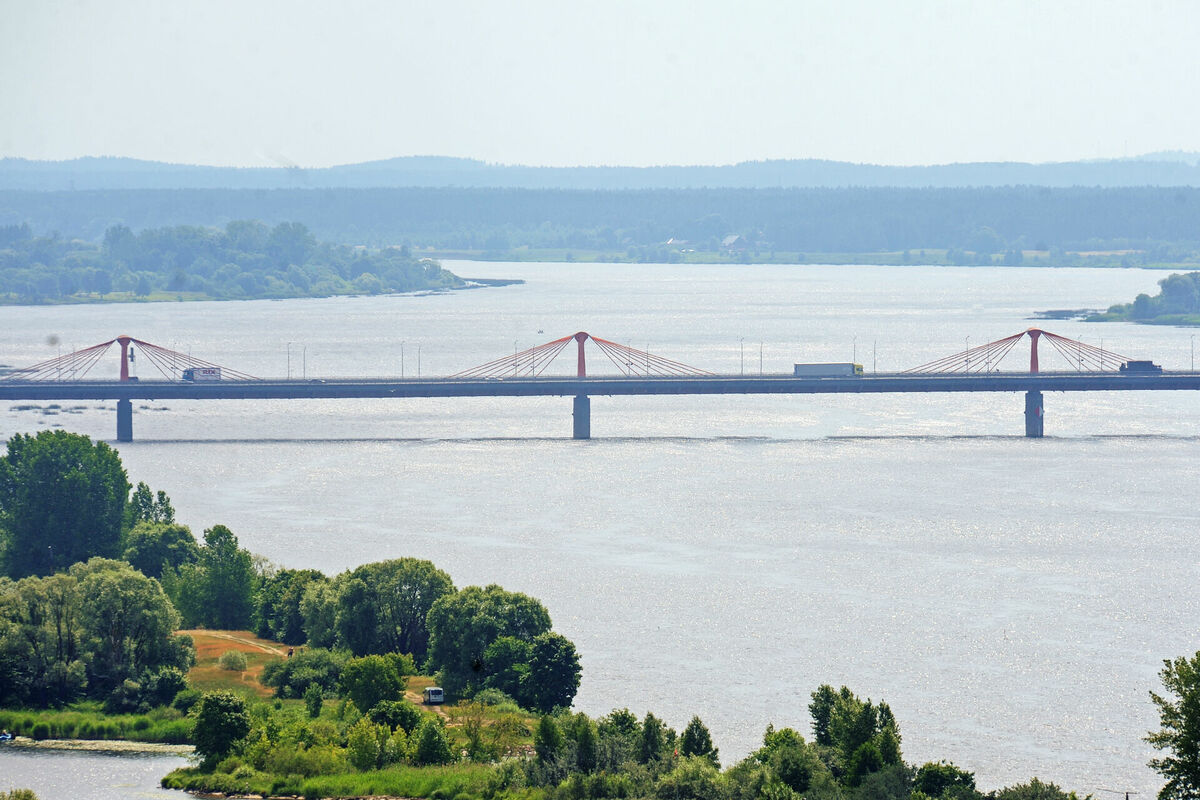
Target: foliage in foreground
column 1179, row 736
column 854, row 755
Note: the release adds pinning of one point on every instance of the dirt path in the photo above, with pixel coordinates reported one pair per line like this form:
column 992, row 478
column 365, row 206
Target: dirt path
column 275, row 651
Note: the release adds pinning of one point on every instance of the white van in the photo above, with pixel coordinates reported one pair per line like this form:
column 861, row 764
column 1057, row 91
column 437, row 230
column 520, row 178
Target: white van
column 433, row 695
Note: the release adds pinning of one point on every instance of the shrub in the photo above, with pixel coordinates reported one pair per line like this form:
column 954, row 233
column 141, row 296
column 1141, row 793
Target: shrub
column 185, row 699
column 314, row 698
column 396, row 714
column 221, row 721
column 233, row 660
column 291, row 677
column 431, row 746
column 41, row 730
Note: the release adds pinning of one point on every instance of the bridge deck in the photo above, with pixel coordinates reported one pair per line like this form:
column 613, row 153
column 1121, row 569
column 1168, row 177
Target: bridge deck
column 566, row 386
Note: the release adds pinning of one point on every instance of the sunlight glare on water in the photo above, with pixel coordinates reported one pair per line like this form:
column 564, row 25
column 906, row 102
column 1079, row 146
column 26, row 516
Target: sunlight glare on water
column 1011, row 599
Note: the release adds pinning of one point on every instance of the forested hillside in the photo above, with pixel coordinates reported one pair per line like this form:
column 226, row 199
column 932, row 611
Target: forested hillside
column 1164, row 224
column 1157, row 169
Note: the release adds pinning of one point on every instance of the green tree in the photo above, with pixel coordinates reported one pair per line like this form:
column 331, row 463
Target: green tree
column 548, row 740
column 221, row 722
column 936, row 779
column 370, row 680
column 462, row 625
column 397, row 714
column 91, row 631
column 277, row 604
column 62, row 500
column 1179, row 734
column 383, row 606
column 217, row 591
column 153, row 546
column 314, row 698
column 553, row 672
column 127, row 622
column 318, row 608
column 587, row 746
column 145, row 506
column 692, row 779
column 821, row 708
column 1034, row 790
column 366, row 744
column 506, row 664
column 432, row 747
column 652, row 740
column 696, row 741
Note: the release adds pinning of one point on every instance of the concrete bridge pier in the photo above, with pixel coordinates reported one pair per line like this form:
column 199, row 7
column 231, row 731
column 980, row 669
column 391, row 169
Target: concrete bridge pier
column 583, row 416
column 124, row 420
column 1034, row 414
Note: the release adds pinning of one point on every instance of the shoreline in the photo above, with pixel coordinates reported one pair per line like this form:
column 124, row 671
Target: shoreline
column 113, row 746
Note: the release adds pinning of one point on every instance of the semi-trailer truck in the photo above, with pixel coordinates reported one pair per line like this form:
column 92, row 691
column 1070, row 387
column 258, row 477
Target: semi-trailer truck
column 199, row 374
column 840, row 370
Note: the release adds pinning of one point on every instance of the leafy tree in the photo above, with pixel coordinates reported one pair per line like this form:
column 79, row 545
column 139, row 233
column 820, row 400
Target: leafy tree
column 222, row 721
column 314, row 698
column 383, row 607
column 153, row 546
column 128, row 620
column 145, row 506
column 652, row 741
column 694, row 779
column 218, row 591
column 397, row 714
column 548, row 741
column 372, row 679
column 367, row 744
column 432, row 747
column 936, row 779
column 696, row 741
column 462, row 626
column 821, row 708
column 1179, row 736
column 587, row 746
column 314, row 666
column 553, row 672
column 318, row 608
column 62, row 500
column 506, row 664
column 277, row 605
column 1034, row 790
column 89, row 631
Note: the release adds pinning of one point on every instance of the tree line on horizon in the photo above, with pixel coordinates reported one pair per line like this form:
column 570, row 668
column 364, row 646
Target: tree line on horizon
column 1162, row 224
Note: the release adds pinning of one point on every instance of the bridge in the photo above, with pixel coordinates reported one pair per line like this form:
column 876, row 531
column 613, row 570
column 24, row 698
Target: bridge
column 640, row 373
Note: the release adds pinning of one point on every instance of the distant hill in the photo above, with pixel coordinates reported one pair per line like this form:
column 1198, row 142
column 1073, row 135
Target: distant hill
column 1157, row 169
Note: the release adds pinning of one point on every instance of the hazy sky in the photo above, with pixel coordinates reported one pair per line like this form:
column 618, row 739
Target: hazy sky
column 564, row 83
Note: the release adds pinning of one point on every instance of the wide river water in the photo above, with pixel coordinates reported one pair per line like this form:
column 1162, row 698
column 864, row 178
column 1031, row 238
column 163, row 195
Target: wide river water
column 1011, row 599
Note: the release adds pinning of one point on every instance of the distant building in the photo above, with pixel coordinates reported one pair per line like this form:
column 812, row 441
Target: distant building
column 734, row 242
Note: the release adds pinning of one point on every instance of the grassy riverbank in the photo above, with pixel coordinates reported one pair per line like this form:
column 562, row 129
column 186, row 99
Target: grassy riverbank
column 88, row 721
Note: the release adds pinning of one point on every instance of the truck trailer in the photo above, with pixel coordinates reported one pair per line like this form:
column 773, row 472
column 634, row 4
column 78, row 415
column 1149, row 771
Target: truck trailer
column 201, row 374
column 840, row 370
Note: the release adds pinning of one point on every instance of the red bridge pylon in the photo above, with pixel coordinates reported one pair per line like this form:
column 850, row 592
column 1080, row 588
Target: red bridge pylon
column 75, row 366
column 533, row 362
column 987, row 357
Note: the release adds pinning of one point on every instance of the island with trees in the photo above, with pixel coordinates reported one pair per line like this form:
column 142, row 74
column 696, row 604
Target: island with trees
column 117, row 623
column 1177, row 303
column 243, row 259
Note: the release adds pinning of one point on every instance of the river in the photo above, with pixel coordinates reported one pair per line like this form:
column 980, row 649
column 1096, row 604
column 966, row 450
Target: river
column 1011, row 599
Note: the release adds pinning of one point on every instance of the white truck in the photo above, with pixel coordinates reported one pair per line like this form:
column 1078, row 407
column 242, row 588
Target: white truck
column 201, row 374
column 839, row 370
